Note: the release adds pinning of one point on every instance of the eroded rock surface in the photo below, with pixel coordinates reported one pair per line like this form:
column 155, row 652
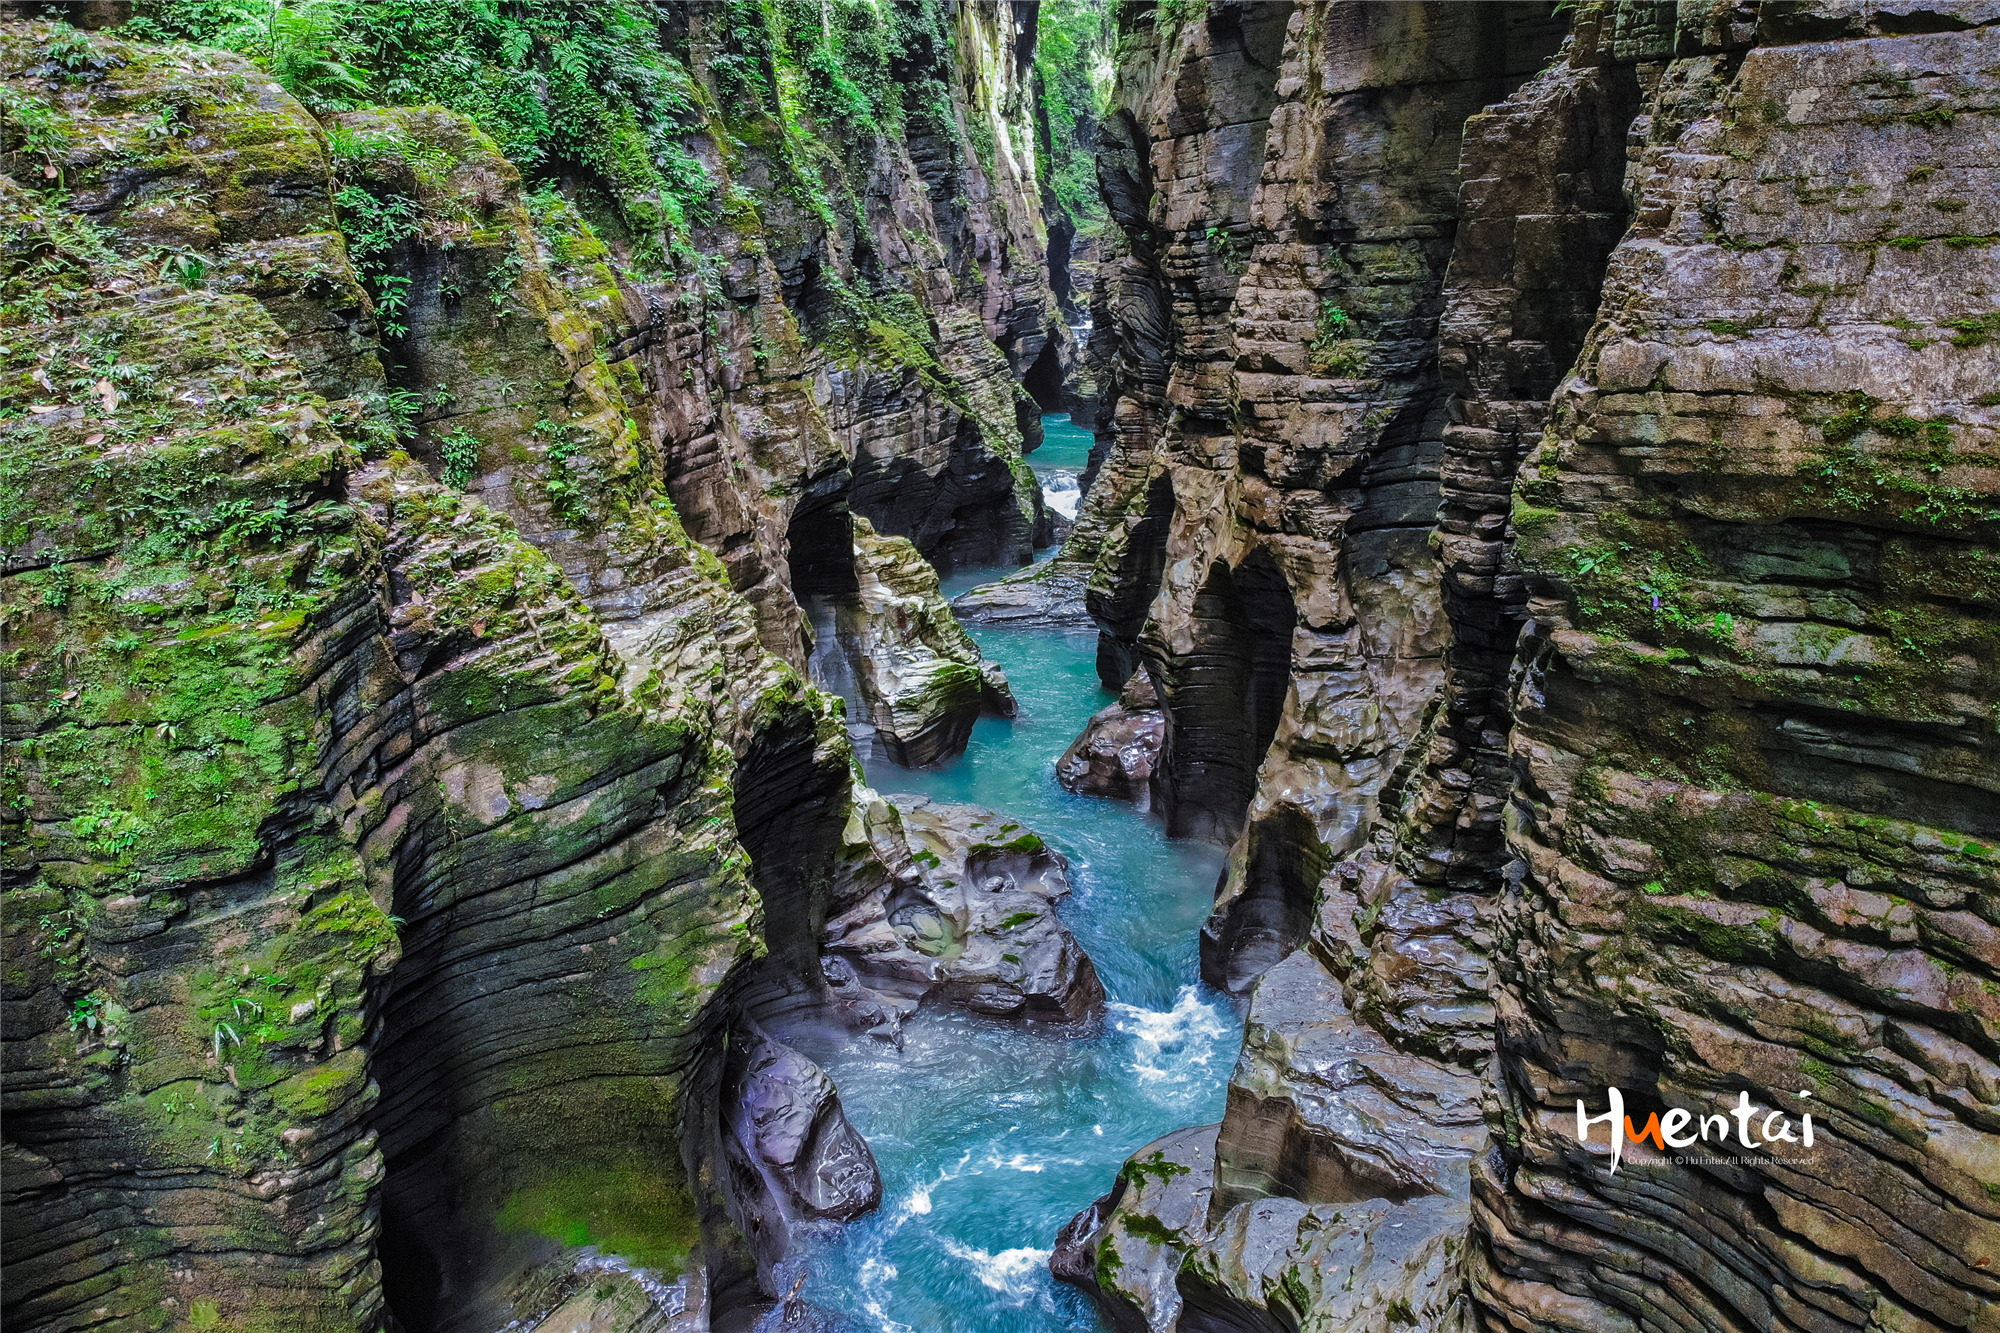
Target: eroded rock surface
column 915, row 678
column 1125, row 1250
column 1119, row 748
column 1691, row 801
column 789, row 1148
column 1045, row 595
column 955, row 904
column 417, row 588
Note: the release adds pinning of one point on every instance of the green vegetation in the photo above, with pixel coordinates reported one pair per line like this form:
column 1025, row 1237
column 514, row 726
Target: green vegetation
column 641, row 1212
column 1159, row 1166
column 1149, row 1229
column 1905, row 477
column 1334, row 350
column 1073, row 74
column 458, row 452
column 1636, row 588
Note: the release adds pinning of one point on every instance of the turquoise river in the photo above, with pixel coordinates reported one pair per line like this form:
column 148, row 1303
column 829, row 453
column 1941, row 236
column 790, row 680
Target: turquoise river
column 989, row 1136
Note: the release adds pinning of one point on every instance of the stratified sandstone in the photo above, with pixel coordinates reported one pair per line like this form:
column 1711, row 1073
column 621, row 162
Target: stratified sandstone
column 1699, row 804
column 914, row 677
column 1757, row 774
column 412, row 775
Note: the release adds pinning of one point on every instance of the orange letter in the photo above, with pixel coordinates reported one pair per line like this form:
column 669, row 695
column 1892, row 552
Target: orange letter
column 1651, row 1131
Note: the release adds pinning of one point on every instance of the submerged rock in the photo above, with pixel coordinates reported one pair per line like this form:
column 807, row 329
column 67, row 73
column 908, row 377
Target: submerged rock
column 1119, row 747
column 915, row 676
column 955, row 902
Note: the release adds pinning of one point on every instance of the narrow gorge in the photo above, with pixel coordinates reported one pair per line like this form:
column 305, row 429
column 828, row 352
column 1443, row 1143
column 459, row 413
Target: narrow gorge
column 1170, row 666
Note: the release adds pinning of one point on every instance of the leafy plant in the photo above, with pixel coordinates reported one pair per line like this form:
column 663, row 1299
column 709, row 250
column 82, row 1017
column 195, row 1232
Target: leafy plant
column 459, row 453
column 31, row 126
column 1333, row 351
column 303, row 45
column 86, row 1015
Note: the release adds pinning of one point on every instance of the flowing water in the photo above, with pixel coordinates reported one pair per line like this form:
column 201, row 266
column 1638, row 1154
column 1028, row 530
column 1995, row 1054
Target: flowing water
column 1060, row 461
column 989, row 1136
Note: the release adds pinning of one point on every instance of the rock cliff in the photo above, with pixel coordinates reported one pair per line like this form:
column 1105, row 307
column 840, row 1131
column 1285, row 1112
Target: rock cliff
column 1551, row 458
column 414, row 790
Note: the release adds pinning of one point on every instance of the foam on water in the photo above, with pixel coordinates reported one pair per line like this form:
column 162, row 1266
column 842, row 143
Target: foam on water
column 1175, row 1043
column 990, row 1136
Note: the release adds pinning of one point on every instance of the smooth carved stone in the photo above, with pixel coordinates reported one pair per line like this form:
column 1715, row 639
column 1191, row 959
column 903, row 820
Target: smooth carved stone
column 1284, row 1266
column 1323, row 1107
column 1120, row 745
column 788, row 1118
column 955, row 903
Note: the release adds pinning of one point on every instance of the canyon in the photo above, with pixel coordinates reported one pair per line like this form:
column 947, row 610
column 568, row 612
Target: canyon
column 579, row 754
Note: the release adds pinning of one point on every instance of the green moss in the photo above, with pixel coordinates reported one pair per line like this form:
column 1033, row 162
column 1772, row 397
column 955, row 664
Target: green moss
column 1149, row 1229
column 1026, row 844
column 318, row 1091
column 1108, row 1264
column 643, row 1213
column 1159, row 1166
column 1014, row 919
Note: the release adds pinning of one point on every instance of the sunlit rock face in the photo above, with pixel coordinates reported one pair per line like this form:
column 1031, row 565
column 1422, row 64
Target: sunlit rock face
column 1688, row 789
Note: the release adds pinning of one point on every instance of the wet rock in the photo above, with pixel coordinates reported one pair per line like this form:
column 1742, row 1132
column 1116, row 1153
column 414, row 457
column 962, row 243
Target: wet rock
column 916, row 678
column 1279, row 1265
column 1045, row 595
column 788, row 1121
column 1125, row 1250
column 1119, row 747
column 1322, row 1107
column 581, row 1291
column 1623, row 806
column 953, row 904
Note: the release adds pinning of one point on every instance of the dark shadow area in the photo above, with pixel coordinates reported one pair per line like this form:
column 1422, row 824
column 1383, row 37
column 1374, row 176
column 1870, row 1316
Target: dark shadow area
column 1224, row 699
column 819, row 545
column 1274, row 912
column 1044, row 380
column 1141, row 556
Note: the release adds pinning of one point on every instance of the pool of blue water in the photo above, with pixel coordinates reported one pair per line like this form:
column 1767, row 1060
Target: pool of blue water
column 990, row 1136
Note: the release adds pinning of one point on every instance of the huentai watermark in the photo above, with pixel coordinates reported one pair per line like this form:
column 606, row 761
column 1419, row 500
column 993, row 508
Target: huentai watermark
column 1679, row 1128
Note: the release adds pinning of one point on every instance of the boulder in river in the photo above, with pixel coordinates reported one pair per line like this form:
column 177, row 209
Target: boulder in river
column 1048, row 595
column 787, row 1120
column 955, row 902
column 1119, row 747
column 1126, row 1248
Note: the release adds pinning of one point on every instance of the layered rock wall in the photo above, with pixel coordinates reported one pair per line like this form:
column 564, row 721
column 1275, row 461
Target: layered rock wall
column 1694, row 803
column 414, row 788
